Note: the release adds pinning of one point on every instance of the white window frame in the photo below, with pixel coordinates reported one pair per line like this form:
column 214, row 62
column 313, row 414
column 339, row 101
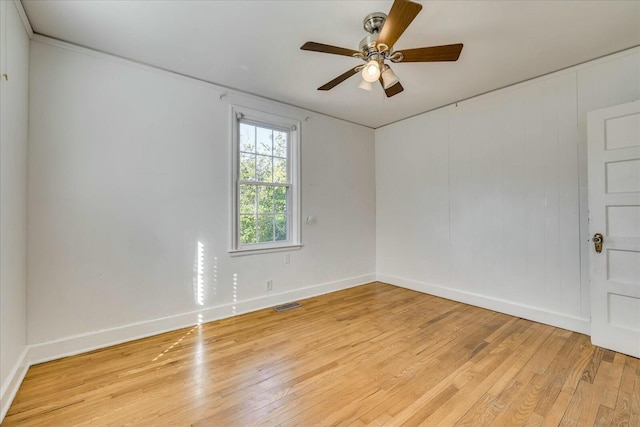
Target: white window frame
column 293, row 171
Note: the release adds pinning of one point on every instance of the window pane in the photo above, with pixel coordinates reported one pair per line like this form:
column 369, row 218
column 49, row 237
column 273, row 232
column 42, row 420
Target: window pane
column 266, row 179
column 279, row 170
column 247, row 229
column 247, row 167
column 248, row 199
column 265, row 199
column 265, row 228
column 264, row 141
column 280, row 199
column 264, row 169
column 247, row 138
column 280, row 144
column 281, row 227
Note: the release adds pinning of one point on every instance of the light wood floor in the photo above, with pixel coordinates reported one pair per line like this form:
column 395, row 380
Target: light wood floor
column 371, row 355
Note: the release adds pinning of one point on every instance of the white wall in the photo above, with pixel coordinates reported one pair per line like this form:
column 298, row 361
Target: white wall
column 486, row 203
column 129, row 168
column 14, row 61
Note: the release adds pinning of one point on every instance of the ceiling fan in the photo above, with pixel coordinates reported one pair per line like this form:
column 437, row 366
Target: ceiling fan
column 377, row 48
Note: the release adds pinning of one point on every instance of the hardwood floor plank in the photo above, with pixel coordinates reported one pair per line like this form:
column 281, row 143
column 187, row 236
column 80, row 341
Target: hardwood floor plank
column 580, row 407
column 558, row 408
column 481, row 413
column 535, row 420
column 608, row 355
column 431, row 406
column 603, row 416
column 608, row 382
column 481, row 365
column 621, row 415
column 634, row 404
column 586, row 352
column 591, row 370
column 370, row 355
column 533, row 381
column 491, row 375
column 558, row 373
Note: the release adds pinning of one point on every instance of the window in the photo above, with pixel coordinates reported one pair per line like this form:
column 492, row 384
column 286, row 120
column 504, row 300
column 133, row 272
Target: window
column 265, row 176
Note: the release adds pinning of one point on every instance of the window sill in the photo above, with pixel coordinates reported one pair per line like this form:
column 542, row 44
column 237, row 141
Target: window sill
column 245, row 252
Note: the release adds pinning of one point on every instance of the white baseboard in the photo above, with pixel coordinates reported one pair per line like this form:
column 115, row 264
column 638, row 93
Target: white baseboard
column 12, row 384
column 68, row 346
column 77, row 344
column 537, row 314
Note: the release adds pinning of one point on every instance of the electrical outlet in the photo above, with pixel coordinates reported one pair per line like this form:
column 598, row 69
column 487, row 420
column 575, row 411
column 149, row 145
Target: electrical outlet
column 287, row 259
column 269, row 285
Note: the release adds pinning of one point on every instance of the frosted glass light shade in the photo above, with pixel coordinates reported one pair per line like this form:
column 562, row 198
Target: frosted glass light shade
column 388, row 78
column 371, row 71
column 365, row 85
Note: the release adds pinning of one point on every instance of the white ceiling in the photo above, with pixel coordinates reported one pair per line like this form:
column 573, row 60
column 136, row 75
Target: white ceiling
column 254, row 46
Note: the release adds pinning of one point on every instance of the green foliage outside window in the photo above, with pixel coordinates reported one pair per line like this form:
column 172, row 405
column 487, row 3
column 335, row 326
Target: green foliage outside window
column 263, row 207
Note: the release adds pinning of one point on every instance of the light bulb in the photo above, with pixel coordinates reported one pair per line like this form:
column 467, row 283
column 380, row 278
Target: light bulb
column 371, row 71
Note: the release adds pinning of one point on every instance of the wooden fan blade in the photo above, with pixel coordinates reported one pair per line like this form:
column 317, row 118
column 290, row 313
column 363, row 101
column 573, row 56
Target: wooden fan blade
column 326, row 48
column 393, row 90
column 400, row 16
column 449, row 52
column 342, row 77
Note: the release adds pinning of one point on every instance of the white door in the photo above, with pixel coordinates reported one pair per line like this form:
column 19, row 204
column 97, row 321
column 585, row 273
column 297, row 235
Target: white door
column 614, row 212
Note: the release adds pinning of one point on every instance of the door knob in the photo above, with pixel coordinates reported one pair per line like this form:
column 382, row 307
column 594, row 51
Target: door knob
column 597, row 242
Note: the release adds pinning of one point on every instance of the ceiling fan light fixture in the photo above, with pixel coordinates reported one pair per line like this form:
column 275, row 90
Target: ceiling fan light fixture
column 371, row 71
column 365, row 85
column 389, row 78
column 378, row 47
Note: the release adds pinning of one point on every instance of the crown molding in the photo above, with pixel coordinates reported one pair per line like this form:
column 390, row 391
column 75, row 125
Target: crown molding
column 23, row 17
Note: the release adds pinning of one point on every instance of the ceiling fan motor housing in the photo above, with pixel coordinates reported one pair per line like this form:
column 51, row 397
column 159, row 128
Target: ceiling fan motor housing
column 368, row 43
column 373, row 22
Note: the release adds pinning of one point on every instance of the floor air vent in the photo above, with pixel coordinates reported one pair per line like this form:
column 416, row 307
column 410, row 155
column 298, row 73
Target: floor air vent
column 287, row 306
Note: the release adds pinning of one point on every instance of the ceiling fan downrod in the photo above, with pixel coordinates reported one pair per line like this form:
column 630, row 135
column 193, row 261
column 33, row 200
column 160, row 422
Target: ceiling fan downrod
column 372, row 24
